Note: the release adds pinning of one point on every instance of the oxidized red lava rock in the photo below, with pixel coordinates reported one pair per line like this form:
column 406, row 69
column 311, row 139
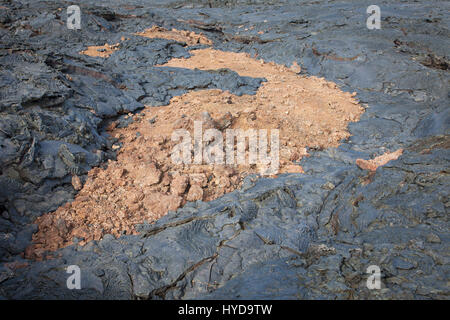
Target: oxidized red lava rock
column 379, row 161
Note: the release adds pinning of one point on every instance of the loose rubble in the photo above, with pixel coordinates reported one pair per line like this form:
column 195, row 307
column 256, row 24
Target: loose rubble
column 144, row 183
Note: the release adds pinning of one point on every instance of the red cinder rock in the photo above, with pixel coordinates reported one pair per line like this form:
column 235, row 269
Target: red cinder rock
column 195, row 193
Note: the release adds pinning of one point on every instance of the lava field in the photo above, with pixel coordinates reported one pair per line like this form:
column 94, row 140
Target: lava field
column 342, row 149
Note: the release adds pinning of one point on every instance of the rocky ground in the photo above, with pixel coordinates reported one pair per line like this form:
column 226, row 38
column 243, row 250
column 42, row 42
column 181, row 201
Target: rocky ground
column 296, row 236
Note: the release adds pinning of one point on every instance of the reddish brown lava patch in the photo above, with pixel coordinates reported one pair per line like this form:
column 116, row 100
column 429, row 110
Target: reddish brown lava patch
column 379, row 161
column 144, row 184
column 101, row 51
column 189, row 37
